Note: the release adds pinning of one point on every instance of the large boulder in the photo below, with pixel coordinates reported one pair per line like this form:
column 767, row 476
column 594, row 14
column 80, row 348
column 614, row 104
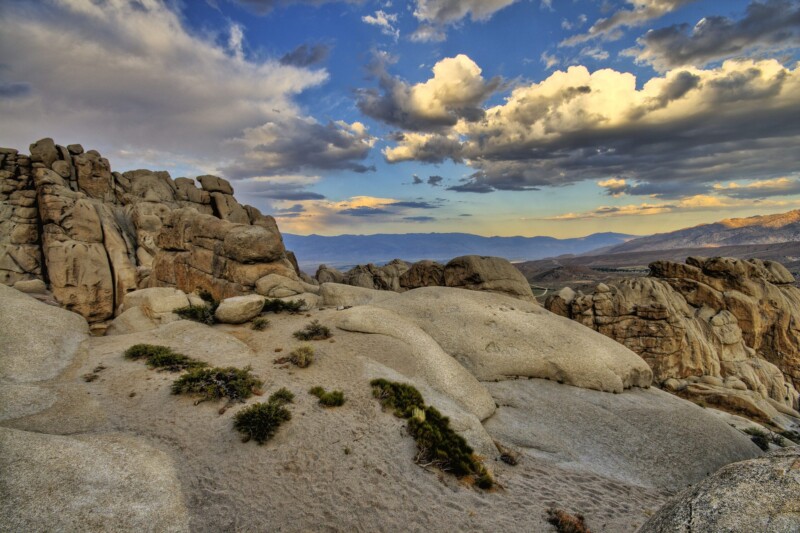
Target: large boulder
column 326, row 274
column 755, row 495
column 491, row 274
column 339, row 295
column 423, row 274
column 499, row 337
column 239, row 309
column 277, row 286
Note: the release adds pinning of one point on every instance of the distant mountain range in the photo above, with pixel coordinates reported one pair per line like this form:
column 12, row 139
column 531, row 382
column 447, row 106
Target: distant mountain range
column 347, row 250
column 765, row 229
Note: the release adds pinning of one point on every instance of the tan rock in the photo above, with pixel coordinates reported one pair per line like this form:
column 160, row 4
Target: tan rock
column 215, row 184
column 491, row 274
column 498, row 337
column 423, row 274
column 35, row 286
column 339, row 295
column 276, row 286
column 239, row 309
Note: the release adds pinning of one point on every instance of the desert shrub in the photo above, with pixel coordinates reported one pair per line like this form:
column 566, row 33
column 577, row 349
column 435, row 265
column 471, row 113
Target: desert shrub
column 565, row 522
column 437, row 443
column 282, row 396
column 259, row 323
column 302, row 356
column 313, row 331
column 233, row 383
column 199, row 313
column 793, row 436
column 400, row 397
column 162, row 357
column 274, row 305
column 759, row 437
column 260, row 421
column 328, row 399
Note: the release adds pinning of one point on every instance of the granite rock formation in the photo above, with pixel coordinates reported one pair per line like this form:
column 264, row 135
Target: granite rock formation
column 721, row 330
column 479, row 273
column 93, row 235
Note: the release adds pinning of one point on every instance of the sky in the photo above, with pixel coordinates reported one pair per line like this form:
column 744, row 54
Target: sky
column 492, row 117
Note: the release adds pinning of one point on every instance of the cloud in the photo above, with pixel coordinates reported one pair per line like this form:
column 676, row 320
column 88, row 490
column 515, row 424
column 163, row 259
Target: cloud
column 455, row 92
column 435, row 15
column 759, row 188
column 306, row 55
column 773, row 24
column 14, row 90
column 417, row 180
column 614, row 186
column 420, row 219
column 641, row 12
column 594, row 52
column 435, row 181
column 364, row 211
column 685, row 129
column 298, row 143
column 691, row 203
column 262, row 7
column 385, row 21
column 549, row 60
column 119, row 75
column 292, row 188
column 414, row 205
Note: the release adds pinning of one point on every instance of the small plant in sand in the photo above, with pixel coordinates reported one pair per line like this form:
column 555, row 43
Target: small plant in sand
column 274, row 305
column 333, row 398
column 236, row 384
column 301, row 357
column 438, row 445
column 162, row 358
column 565, row 522
column 260, row 421
column 259, row 323
column 313, row 331
column 763, row 438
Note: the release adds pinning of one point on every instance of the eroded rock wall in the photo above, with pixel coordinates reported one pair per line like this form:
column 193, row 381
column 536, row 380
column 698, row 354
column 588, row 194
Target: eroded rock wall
column 721, row 329
column 94, row 235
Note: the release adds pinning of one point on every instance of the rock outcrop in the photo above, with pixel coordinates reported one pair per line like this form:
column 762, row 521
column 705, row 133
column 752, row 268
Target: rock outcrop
column 93, row 235
column 478, row 273
column 721, row 330
column 755, row 495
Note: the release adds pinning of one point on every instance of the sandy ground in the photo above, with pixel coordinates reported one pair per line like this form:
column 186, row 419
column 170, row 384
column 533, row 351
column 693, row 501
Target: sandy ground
column 303, row 479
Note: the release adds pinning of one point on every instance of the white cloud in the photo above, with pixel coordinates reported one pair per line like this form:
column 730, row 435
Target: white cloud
column 549, row 60
column 434, row 15
column 455, row 92
column 131, row 76
column 385, row 21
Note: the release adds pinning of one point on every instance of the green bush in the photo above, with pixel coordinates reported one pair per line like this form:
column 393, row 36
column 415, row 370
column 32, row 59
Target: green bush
column 260, row 421
column 282, row 396
column 198, row 313
column 437, row 443
column 313, row 332
column 259, row 323
column 274, row 305
column 207, row 297
column 302, row 356
column 162, row 357
column 328, row 399
column 400, row 397
column 233, row 383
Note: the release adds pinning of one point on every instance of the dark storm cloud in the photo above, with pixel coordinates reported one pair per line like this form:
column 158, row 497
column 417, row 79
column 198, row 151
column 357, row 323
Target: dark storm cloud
column 306, row 56
column 364, row 211
column 435, row 181
column 769, row 24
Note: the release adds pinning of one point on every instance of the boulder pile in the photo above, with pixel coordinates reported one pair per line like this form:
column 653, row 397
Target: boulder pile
column 719, row 330
column 93, row 235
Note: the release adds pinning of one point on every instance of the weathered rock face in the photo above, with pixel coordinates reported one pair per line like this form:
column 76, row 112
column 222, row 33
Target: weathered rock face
column 491, row 274
column 755, row 495
column 725, row 330
column 94, row 235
